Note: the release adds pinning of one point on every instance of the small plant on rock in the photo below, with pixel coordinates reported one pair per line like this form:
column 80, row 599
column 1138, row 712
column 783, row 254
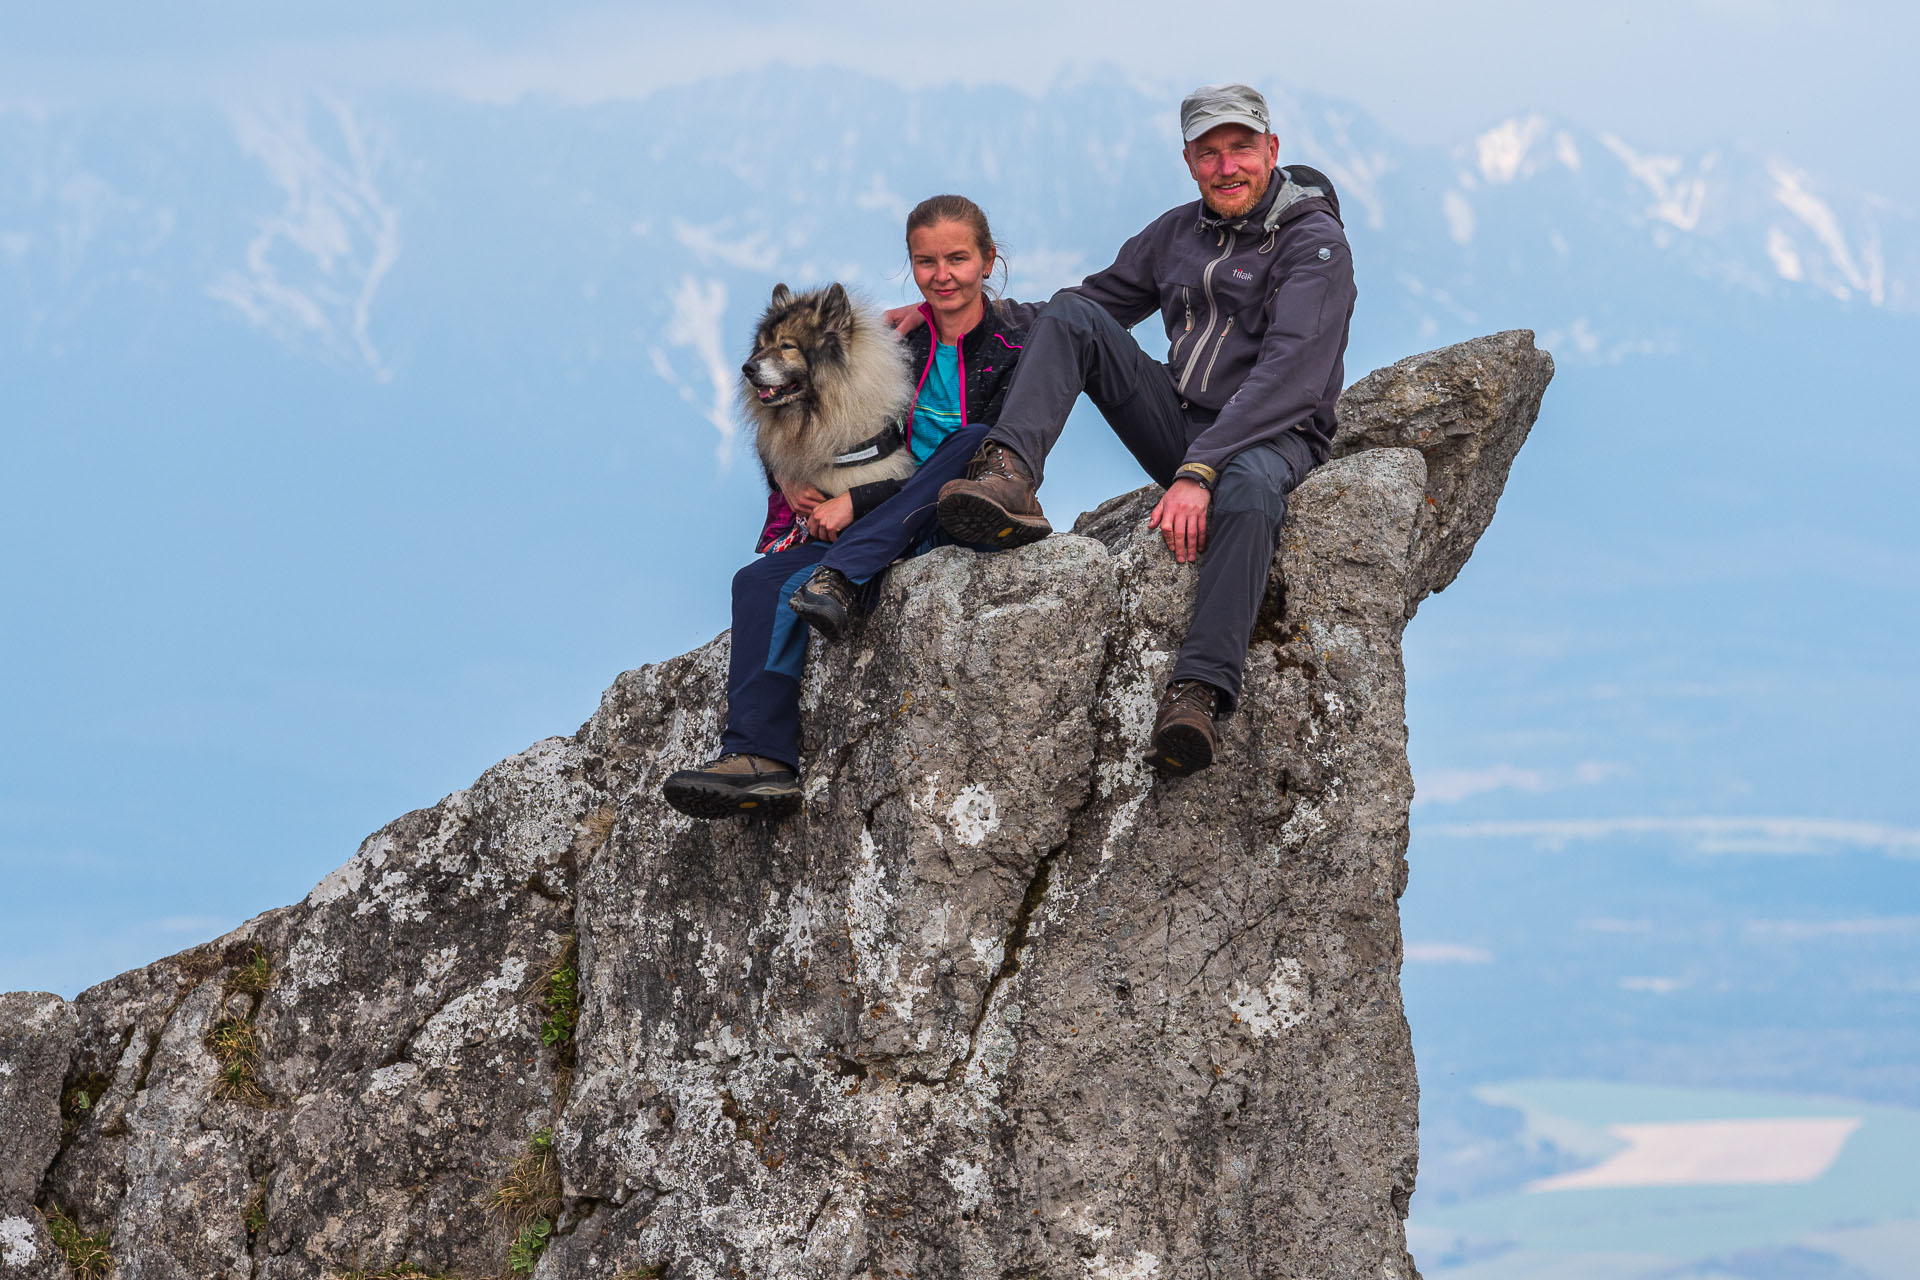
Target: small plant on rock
column 525, row 1250
column 528, row 1201
column 87, row 1256
column 79, row 1098
column 562, row 999
column 254, row 1216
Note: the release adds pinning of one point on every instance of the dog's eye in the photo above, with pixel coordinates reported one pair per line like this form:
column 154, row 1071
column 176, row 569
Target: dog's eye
column 788, row 346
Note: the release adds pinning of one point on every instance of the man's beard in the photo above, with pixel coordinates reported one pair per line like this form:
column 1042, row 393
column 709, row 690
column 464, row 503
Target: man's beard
column 1249, row 196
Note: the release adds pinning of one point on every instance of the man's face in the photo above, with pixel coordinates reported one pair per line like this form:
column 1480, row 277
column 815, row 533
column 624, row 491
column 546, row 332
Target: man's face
column 1233, row 165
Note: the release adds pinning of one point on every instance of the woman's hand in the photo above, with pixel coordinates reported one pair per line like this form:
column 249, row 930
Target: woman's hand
column 905, row 320
column 803, row 498
column 831, row 517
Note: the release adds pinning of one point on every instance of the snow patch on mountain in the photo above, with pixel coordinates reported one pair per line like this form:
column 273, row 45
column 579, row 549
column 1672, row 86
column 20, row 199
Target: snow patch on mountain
column 313, row 268
column 748, row 253
column 1503, row 149
column 1863, row 273
column 697, row 323
column 1678, row 197
column 1459, row 216
column 1786, row 259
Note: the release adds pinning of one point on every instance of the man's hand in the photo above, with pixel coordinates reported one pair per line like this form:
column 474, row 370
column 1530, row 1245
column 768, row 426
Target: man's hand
column 1181, row 518
column 905, row 319
column 831, row 518
column 803, row 498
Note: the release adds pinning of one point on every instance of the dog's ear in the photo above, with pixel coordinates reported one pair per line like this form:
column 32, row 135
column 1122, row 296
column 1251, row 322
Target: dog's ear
column 836, row 309
column 781, row 296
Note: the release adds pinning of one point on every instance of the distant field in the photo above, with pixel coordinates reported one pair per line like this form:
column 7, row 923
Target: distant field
column 1692, row 1183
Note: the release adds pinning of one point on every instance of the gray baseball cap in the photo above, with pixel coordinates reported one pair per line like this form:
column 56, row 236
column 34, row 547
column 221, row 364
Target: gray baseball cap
column 1218, row 104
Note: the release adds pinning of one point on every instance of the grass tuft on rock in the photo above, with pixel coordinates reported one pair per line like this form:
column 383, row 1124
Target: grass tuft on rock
column 528, row 1201
column 253, row 977
column 234, row 1040
column 235, row 1045
column 531, row 1188
column 398, row 1271
column 88, row 1257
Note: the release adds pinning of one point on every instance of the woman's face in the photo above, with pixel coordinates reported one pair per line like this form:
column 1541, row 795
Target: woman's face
column 948, row 267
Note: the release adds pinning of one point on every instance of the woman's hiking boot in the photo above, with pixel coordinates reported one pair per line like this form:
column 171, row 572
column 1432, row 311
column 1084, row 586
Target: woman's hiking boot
column 1183, row 735
column 994, row 506
column 736, row 783
column 828, row 602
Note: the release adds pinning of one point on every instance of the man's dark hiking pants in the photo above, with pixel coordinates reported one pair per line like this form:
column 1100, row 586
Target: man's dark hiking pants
column 770, row 640
column 1076, row 346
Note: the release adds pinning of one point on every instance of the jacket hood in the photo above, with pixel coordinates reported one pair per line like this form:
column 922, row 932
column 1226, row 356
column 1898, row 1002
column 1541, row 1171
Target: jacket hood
column 1294, row 190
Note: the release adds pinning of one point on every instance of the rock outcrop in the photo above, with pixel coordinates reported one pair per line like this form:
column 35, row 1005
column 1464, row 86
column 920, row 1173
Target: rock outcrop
column 997, row 1003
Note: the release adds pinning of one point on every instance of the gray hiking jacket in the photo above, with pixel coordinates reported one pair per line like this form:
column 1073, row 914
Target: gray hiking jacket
column 1256, row 310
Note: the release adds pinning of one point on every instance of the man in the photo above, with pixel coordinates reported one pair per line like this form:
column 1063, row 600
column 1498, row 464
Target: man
column 1255, row 283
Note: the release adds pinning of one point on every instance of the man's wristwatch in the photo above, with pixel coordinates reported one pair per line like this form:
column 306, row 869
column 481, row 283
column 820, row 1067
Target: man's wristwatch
column 1200, row 472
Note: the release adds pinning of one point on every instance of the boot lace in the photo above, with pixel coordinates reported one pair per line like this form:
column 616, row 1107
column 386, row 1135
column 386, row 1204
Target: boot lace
column 1194, row 693
column 996, row 460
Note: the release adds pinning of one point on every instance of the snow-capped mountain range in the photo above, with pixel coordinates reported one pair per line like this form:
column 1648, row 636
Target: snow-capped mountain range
column 388, row 234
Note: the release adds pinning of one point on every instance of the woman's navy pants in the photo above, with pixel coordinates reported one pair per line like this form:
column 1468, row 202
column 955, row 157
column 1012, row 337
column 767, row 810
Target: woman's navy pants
column 770, row 640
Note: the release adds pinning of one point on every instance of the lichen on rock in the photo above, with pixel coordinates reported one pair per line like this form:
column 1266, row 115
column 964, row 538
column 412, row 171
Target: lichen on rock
column 996, row 1002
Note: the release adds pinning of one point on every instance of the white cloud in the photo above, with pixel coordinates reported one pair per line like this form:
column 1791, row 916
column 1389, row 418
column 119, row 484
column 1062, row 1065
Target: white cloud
column 1704, row 834
column 1447, row 953
column 1450, row 786
column 1653, row 986
column 1613, row 924
column 1814, row 930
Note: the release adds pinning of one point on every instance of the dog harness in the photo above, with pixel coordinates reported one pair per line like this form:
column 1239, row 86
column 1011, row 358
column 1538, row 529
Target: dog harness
column 888, row 441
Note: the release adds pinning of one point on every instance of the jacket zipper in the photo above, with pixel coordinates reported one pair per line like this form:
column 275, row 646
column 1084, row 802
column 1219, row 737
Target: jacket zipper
column 1186, row 297
column 1225, row 329
column 1227, row 239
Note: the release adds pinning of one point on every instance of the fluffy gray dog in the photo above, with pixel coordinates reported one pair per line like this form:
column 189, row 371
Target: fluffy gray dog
column 827, row 389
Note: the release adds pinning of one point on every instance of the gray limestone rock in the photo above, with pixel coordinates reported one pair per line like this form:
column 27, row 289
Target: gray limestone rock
column 998, row 1002
column 36, row 1041
column 1468, row 409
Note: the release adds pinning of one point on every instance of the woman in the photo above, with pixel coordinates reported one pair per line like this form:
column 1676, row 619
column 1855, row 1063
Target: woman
column 966, row 352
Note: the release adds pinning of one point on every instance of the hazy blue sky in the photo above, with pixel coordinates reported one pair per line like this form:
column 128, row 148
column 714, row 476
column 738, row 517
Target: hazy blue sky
column 1828, row 83
column 344, row 347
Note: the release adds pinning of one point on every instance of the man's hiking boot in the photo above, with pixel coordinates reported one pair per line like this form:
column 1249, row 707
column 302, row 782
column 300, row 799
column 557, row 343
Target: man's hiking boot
column 994, row 506
column 828, row 602
column 735, row 784
column 1183, row 735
